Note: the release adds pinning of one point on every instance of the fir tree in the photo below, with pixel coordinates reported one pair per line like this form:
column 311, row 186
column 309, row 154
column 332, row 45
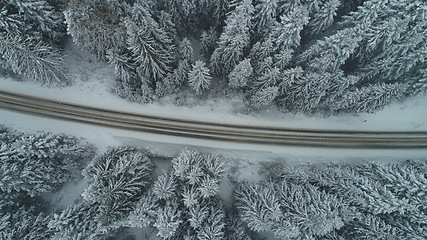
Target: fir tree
column 291, row 211
column 24, row 224
column 388, row 197
column 151, row 46
column 207, row 42
column 371, row 97
column 183, row 203
column 77, row 223
column 43, row 18
column 186, row 52
column 199, row 77
column 117, row 180
column 322, row 15
column 40, row 163
column 285, row 34
column 241, row 74
column 32, row 59
column 265, row 16
column 38, row 19
column 234, row 40
column 97, row 26
column 264, row 97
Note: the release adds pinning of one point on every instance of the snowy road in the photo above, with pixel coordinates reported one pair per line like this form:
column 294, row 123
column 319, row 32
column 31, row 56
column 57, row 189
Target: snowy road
column 263, row 135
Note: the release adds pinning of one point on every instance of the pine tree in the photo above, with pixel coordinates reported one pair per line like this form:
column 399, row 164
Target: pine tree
column 32, row 59
column 371, row 98
column 183, row 202
column 265, row 16
column 24, row 224
column 389, row 198
column 96, row 26
column 50, row 21
column 395, row 43
column 199, row 77
column 322, row 15
column 285, row 34
column 291, row 211
column 168, row 221
column 151, row 46
column 174, row 80
column 241, row 74
column 40, row 163
column 207, row 42
column 77, row 223
column 263, row 60
column 234, row 40
column 32, row 18
column 186, row 52
column 329, row 54
column 117, row 181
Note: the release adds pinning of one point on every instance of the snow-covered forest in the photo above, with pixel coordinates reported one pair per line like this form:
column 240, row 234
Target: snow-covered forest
column 341, row 59
column 325, row 56
column 130, row 190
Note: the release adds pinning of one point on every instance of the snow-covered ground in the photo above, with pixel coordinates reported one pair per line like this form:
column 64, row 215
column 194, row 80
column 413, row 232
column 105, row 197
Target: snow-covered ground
column 93, row 82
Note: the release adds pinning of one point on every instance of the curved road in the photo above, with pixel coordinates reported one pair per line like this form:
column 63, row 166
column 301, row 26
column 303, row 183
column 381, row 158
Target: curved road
column 210, row 130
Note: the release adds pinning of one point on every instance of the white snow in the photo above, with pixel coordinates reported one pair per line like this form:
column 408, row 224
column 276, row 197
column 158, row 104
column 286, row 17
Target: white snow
column 93, row 82
column 92, row 85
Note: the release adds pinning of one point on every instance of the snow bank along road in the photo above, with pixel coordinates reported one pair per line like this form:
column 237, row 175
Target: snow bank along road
column 263, row 135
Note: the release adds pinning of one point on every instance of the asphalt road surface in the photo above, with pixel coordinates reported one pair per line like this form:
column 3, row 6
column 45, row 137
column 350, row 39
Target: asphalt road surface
column 263, row 135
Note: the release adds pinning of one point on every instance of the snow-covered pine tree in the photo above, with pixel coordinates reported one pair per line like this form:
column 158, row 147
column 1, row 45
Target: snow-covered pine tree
column 165, row 186
column 207, row 42
column 418, row 82
column 234, row 39
column 322, row 15
column 168, row 221
column 167, row 24
column 264, row 97
column 117, row 180
column 77, row 222
column 291, row 211
column 11, row 21
column 192, row 15
column 130, row 85
column 394, row 46
column 96, row 26
column 183, row 202
column 24, row 224
column 241, row 74
column 370, row 98
column 151, row 46
column 389, row 198
column 32, row 18
column 285, row 34
column 174, row 80
column 144, row 213
column 124, row 67
column 260, row 56
column 32, row 59
column 264, row 17
column 45, row 20
column 186, row 51
column 40, row 163
column 199, row 77
column 332, row 52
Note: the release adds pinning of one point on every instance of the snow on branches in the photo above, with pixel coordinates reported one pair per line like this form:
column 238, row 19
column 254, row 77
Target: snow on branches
column 39, row 163
column 117, row 180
